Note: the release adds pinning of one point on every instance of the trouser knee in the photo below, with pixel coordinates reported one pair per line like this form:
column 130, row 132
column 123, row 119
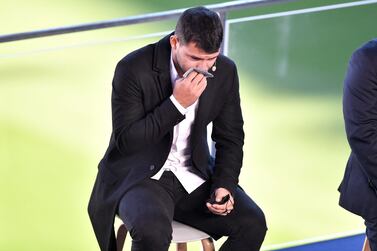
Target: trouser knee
column 153, row 233
column 254, row 226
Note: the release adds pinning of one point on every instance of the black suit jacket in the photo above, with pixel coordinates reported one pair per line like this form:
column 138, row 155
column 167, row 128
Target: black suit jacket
column 143, row 121
column 359, row 186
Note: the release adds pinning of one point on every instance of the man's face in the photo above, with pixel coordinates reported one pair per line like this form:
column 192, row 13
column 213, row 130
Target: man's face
column 189, row 55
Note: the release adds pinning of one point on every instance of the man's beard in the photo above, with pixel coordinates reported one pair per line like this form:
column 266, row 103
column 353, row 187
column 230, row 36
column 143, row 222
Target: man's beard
column 178, row 66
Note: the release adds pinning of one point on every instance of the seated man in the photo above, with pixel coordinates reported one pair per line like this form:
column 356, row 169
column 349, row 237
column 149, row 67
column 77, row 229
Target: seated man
column 157, row 167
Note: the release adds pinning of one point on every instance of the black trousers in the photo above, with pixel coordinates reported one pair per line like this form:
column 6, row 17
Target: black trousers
column 148, row 209
column 371, row 232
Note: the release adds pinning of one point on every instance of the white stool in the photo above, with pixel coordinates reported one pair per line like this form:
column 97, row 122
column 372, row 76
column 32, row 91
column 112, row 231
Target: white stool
column 181, row 235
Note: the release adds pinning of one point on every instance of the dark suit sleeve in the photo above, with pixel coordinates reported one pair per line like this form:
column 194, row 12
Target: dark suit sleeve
column 133, row 128
column 360, row 109
column 228, row 135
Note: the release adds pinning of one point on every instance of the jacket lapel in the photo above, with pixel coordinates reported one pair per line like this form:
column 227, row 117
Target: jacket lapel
column 161, row 64
column 202, row 113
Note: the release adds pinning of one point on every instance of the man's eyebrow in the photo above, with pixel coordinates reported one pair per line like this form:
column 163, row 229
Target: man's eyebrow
column 195, row 57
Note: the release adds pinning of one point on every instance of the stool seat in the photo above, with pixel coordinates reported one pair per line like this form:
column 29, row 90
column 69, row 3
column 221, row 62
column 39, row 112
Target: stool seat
column 181, row 235
column 185, row 233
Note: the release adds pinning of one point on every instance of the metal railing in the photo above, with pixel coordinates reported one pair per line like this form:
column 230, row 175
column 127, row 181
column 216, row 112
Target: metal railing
column 221, row 8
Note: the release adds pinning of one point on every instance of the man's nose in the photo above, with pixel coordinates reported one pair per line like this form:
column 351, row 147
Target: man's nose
column 203, row 65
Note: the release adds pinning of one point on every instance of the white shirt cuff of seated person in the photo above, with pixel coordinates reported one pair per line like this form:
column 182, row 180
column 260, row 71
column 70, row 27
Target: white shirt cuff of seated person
column 180, row 108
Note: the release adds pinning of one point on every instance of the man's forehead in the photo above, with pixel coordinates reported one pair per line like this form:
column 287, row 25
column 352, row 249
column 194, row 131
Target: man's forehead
column 193, row 50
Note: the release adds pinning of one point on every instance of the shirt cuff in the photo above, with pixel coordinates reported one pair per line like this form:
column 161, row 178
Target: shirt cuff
column 180, row 108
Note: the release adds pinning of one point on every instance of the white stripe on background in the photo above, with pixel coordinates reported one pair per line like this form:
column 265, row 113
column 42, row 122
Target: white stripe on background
column 85, row 44
column 290, row 13
column 302, row 11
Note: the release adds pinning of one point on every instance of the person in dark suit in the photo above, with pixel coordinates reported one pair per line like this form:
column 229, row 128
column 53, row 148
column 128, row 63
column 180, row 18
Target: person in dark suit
column 359, row 185
column 157, row 166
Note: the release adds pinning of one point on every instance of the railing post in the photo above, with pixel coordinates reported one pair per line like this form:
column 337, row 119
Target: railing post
column 224, row 51
column 224, row 45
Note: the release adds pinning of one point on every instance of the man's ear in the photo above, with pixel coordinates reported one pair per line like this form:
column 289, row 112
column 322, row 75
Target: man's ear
column 174, row 42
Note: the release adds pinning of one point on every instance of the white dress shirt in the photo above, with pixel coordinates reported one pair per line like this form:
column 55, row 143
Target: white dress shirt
column 179, row 159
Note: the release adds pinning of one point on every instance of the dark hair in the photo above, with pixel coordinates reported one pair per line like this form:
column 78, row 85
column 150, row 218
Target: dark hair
column 202, row 27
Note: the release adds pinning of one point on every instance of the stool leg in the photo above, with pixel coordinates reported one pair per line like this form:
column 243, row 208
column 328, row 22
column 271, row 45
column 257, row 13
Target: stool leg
column 208, row 244
column 182, row 246
column 121, row 237
column 366, row 246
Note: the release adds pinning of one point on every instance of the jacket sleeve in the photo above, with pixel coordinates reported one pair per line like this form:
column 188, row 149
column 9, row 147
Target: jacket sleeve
column 360, row 109
column 228, row 135
column 133, row 128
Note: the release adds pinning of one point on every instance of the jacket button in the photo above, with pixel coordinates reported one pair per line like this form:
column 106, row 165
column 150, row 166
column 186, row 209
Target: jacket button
column 151, row 167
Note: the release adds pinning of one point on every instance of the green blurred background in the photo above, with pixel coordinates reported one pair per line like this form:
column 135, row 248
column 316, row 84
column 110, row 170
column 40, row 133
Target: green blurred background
column 55, row 119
